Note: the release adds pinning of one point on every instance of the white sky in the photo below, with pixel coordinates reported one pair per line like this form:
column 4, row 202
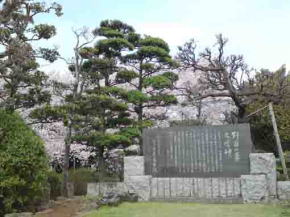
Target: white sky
column 258, row 29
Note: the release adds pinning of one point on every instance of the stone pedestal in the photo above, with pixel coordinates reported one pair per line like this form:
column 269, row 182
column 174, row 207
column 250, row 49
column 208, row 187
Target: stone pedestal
column 135, row 179
column 265, row 164
column 254, row 188
column 283, row 190
column 134, row 166
column 139, row 185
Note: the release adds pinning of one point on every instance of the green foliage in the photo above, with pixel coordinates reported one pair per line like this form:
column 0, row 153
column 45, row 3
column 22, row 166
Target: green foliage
column 262, row 128
column 158, row 82
column 164, row 99
column 109, row 32
column 117, row 25
column 44, row 31
column 130, row 132
column 98, row 138
column 275, row 88
column 171, row 76
column 80, row 178
column 151, row 61
column 48, row 113
column 145, row 124
column 154, row 42
column 23, row 83
column 23, row 164
column 113, row 46
column 125, row 76
column 136, row 97
column 152, row 52
column 54, row 180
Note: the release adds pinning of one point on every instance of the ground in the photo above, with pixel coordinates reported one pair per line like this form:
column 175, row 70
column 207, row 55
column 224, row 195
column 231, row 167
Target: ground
column 64, row 208
column 155, row 209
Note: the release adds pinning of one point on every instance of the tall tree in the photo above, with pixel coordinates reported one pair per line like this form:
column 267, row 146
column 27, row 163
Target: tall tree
column 144, row 66
column 102, row 105
column 20, row 80
column 69, row 92
column 223, row 75
column 91, row 103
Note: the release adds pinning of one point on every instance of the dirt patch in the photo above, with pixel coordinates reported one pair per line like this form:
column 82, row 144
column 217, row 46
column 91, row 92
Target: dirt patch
column 63, row 208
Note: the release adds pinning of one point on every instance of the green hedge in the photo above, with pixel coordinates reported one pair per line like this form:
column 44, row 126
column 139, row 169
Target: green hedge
column 80, row 177
column 55, row 184
column 23, row 165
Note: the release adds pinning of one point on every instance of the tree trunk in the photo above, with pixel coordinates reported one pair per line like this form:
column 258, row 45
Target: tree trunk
column 140, row 119
column 66, row 162
column 100, row 162
column 140, row 108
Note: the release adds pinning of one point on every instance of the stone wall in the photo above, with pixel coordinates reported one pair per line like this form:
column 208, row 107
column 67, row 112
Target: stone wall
column 196, row 189
column 134, row 181
column 283, row 190
column 265, row 164
column 258, row 186
column 261, row 184
column 98, row 189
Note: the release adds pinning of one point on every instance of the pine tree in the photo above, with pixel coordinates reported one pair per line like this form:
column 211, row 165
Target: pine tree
column 150, row 75
column 102, row 105
column 93, row 104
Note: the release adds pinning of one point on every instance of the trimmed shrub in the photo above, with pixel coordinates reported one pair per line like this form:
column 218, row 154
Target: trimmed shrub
column 80, row 177
column 23, row 165
column 55, row 183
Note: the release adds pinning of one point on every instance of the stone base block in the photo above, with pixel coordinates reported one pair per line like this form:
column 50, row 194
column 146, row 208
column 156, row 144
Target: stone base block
column 265, row 163
column 134, row 166
column 139, row 185
column 98, row 189
column 195, row 188
column 283, row 190
column 254, row 188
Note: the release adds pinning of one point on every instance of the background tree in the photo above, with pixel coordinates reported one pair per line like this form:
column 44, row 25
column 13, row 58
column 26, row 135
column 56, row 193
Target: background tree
column 20, row 80
column 224, row 75
column 278, row 83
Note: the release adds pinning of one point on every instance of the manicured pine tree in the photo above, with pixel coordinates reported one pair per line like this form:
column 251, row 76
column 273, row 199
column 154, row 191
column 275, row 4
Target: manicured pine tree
column 151, row 77
column 93, row 104
column 102, row 105
column 144, row 66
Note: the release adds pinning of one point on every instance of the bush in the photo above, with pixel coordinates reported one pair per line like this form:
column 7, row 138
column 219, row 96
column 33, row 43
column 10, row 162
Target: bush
column 23, row 165
column 55, row 182
column 80, row 178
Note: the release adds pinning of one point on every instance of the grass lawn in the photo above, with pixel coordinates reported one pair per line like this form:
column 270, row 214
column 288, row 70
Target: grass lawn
column 155, row 209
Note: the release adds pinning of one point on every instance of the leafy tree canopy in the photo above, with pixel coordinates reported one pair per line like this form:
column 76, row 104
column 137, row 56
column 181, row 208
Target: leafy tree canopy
column 21, row 81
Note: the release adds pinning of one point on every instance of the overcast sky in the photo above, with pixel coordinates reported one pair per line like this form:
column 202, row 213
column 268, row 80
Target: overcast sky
column 258, row 29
